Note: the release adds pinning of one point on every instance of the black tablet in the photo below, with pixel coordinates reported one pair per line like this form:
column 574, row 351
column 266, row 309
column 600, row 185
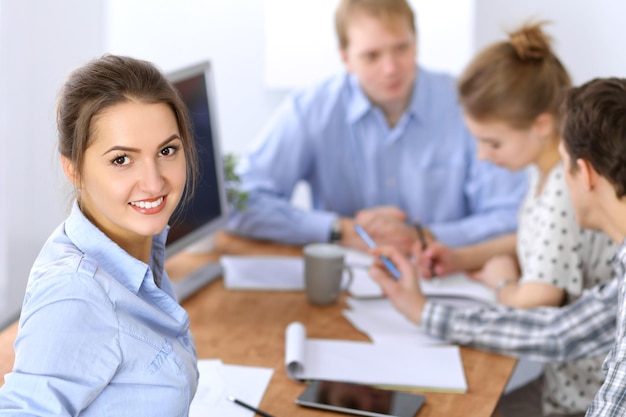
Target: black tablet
column 361, row 400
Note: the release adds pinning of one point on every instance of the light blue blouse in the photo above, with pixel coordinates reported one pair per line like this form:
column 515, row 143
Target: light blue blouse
column 97, row 336
column 332, row 137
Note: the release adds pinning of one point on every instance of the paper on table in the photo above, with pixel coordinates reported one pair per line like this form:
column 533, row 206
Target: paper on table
column 285, row 273
column 457, row 285
column 435, row 368
column 384, row 324
column 218, row 381
column 263, row 272
column 272, row 273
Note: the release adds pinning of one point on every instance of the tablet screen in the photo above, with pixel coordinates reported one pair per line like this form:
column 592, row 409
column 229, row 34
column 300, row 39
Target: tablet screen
column 360, row 399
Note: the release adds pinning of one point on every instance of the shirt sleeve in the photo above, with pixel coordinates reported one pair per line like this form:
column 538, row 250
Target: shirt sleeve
column 493, row 196
column 67, row 349
column 546, row 334
column 610, row 399
column 282, row 157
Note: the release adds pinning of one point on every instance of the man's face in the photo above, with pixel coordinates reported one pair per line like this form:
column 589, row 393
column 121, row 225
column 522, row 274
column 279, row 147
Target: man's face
column 382, row 56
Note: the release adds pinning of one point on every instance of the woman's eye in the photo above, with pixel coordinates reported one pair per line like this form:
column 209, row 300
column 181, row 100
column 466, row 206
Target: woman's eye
column 170, row 150
column 121, row 160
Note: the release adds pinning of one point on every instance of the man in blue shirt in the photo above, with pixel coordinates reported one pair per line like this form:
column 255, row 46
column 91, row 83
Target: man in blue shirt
column 382, row 145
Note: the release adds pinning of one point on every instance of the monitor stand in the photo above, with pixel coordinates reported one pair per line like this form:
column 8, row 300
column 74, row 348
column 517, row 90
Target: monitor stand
column 191, row 283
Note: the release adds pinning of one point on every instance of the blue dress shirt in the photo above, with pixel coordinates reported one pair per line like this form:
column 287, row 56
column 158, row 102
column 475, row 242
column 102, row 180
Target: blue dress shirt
column 335, row 139
column 97, row 336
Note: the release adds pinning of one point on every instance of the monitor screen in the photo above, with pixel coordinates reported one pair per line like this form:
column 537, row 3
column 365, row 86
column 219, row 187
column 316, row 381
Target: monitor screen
column 206, row 212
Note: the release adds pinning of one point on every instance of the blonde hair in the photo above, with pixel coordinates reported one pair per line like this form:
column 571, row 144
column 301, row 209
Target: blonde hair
column 515, row 80
column 385, row 10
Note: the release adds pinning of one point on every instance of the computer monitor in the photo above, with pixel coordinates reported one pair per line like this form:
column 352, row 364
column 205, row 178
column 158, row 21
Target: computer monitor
column 207, row 211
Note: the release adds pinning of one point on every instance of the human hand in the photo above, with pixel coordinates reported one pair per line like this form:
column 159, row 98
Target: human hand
column 388, row 227
column 405, row 294
column 349, row 236
column 437, row 258
column 496, row 270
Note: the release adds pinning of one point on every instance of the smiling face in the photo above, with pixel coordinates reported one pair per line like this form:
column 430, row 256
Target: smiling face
column 134, row 172
column 382, row 56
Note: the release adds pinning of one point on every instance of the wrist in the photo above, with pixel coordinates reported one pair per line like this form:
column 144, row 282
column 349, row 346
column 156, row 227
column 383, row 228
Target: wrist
column 336, row 231
column 422, row 233
column 500, row 285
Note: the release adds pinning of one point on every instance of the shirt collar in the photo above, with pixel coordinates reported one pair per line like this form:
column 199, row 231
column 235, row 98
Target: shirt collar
column 126, row 269
column 619, row 261
column 359, row 105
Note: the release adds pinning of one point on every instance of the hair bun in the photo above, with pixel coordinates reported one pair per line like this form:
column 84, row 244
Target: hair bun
column 530, row 42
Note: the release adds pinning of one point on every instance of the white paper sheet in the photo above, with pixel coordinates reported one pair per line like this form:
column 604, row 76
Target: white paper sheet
column 219, row 381
column 435, row 368
column 284, row 273
column 273, row 273
column 457, row 285
column 384, row 324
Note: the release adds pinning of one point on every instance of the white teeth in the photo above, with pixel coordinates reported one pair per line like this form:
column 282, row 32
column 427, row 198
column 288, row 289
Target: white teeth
column 149, row 205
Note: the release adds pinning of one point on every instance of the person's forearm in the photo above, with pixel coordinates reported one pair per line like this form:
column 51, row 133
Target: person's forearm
column 530, row 294
column 473, row 257
column 582, row 329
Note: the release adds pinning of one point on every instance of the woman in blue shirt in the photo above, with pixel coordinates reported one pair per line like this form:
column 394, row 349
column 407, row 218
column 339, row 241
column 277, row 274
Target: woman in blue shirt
column 100, row 331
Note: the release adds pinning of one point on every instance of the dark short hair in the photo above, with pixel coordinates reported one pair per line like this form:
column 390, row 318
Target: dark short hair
column 105, row 82
column 594, row 128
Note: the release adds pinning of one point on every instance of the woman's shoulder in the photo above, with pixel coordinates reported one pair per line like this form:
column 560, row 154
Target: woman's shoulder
column 61, row 271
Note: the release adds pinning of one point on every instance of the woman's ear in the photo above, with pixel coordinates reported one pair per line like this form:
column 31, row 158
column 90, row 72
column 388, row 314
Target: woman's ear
column 70, row 171
column 543, row 126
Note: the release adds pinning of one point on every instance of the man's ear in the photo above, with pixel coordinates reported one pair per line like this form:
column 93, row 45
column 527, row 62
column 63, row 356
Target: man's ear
column 589, row 176
column 70, row 171
column 344, row 58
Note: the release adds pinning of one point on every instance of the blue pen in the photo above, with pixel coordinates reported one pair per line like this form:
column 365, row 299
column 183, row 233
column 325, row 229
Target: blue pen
column 370, row 242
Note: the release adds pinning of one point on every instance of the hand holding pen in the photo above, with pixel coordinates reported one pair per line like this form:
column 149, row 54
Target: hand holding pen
column 423, row 246
column 372, row 245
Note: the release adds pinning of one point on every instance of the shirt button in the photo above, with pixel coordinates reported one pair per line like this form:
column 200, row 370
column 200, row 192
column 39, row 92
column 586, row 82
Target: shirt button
column 391, row 182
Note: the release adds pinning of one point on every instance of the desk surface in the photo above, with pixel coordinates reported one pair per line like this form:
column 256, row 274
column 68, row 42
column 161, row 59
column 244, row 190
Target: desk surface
column 247, row 328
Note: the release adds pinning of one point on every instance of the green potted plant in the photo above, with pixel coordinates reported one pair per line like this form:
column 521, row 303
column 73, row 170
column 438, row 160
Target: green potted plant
column 236, row 198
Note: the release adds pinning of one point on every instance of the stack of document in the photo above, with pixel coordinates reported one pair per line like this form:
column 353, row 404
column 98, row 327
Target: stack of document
column 276, row 273
column 403, row 365
column 219, row 381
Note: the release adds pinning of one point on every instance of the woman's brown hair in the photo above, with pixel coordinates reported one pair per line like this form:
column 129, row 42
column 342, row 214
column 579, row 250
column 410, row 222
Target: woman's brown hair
column 515, row 80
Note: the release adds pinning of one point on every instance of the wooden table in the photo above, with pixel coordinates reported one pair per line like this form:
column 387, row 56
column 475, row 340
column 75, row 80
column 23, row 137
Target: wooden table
column 248, row 328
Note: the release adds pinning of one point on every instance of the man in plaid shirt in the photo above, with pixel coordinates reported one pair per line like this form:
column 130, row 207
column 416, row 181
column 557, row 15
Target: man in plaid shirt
column 594, row 154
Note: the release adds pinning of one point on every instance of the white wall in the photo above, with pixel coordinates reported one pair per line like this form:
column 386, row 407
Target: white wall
column 302, row 47
column 589, row 36
column 230, row 33
column 4, row 131
column 40, row 41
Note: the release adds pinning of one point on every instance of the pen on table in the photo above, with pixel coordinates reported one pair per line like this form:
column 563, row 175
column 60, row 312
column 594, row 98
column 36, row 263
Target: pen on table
column 370, row 242
column 249, row 407
column 422, row 237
